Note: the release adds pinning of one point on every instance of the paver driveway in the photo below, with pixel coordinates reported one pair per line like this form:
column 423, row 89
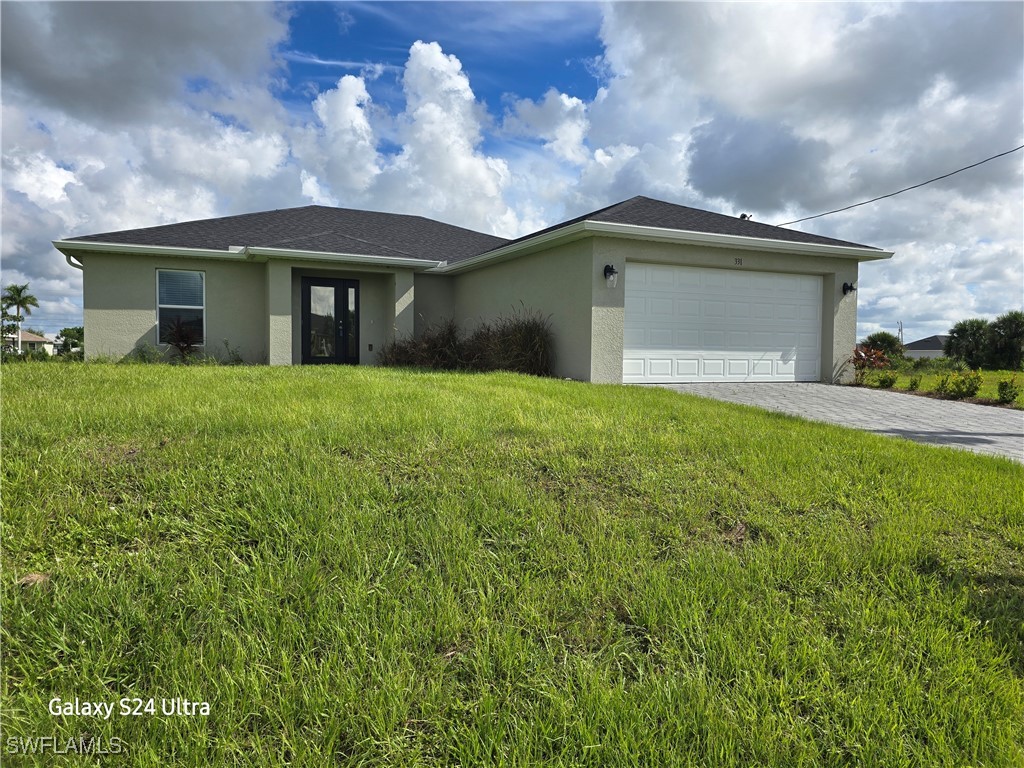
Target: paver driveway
column 979, row 428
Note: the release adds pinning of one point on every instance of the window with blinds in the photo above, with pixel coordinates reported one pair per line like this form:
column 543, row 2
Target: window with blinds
column 181, row 305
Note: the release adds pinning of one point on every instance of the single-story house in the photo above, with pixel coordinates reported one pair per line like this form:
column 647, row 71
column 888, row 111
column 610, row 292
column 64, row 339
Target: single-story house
column 641, row 291
column 930, row 346
column 30, row 342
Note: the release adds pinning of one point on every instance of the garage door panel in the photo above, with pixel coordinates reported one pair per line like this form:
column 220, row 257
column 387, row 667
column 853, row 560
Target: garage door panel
column 738, row 310
column 704, row 324
column 712, row 340
column 661, row 338
column 739, row 367
column 714, row 309
column 688, row 308
column 686, row 338
column 659, row 366
column 632, row 367
column 713, row 367
column 808, row 312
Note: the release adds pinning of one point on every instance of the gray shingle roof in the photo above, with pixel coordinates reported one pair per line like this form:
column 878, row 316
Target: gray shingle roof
column 317, row 228
column 927, row 343
column 647, row 212
column 372, row 233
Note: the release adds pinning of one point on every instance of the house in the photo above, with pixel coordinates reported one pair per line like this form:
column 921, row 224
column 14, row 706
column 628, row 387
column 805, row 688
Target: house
column 640, row 291
column 30, row 342
column 930, row 346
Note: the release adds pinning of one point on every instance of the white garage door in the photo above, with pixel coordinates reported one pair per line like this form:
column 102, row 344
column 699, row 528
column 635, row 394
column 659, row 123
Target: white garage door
column 701, row 324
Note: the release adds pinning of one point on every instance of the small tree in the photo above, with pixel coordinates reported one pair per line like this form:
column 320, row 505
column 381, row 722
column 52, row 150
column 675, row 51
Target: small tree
column 1005, row 341
column 885, row 341
column 18, row 298
column 71, row 337
column 968, row 341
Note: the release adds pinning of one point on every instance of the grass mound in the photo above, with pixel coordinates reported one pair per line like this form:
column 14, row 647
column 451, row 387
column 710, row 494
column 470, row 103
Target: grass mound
column 360, row 566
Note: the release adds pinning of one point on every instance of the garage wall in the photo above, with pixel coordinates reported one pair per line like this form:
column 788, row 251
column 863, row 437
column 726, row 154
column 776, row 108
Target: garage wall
column 839, row 313
column 119, row 297
column 558, row 283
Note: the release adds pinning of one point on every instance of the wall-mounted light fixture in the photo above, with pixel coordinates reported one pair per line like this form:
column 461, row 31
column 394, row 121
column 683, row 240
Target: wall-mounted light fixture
column 611, row 275
column 848, row 288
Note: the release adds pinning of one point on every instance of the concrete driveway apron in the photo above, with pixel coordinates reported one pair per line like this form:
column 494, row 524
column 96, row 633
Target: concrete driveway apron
column 978, row 428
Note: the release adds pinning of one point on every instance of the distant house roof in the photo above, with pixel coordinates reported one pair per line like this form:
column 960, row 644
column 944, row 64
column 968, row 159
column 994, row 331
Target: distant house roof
column 319, row 228
column 27, row 336
column 927, row 344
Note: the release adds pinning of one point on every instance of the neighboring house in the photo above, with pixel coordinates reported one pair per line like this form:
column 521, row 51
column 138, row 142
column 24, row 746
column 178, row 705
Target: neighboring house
column 30, row 342
column 641, row 291
column 931, row 346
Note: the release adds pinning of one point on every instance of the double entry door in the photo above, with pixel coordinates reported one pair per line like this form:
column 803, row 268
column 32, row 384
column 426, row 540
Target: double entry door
column 330, row 321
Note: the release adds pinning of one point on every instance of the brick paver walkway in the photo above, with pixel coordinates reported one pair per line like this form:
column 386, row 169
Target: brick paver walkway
column 979, row 428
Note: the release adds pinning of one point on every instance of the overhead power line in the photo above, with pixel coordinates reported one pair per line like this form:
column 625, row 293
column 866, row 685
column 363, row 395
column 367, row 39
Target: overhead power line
column 905, row 189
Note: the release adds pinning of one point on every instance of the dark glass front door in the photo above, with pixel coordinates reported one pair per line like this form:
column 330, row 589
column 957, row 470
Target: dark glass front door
column 330, row 321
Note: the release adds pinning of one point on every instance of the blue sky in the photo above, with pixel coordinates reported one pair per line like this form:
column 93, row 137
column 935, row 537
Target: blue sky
column 509, row 117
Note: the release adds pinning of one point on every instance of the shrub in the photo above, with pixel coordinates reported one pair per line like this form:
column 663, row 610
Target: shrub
column 1008, row 390
column 183, row 337
column 887, row 379
column 867, row 359
column 144, row 353
column 521, row 342
column 958, row 386
column 914, row 383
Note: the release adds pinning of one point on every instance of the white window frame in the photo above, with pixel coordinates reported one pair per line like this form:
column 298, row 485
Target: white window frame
column 160, row 306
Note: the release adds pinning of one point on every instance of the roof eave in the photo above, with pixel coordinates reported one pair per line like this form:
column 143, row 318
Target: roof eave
column 263, row 254
column 659, row 234
column 76, row 247
column 248, row 253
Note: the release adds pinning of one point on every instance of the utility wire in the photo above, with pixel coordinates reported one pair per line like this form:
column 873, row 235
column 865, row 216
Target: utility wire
column 905, row 189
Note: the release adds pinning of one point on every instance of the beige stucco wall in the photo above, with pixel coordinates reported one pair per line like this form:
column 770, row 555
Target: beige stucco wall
column 557, row 283
column 839, row 313
column 435, row 301
column 119, row 296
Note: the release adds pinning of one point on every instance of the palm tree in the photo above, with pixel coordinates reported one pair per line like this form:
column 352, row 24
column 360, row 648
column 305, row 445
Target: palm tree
column 18, row 297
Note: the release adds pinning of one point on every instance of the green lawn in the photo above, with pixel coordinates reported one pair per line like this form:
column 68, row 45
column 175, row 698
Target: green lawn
column 358, row 566
column 989, row 383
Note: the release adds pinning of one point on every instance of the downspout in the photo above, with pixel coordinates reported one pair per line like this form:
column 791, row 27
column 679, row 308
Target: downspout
column 75, row 264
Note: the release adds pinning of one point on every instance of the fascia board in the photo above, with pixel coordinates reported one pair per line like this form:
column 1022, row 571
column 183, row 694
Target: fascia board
column 713, row 240
column 73, row 247
column 263, row 254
